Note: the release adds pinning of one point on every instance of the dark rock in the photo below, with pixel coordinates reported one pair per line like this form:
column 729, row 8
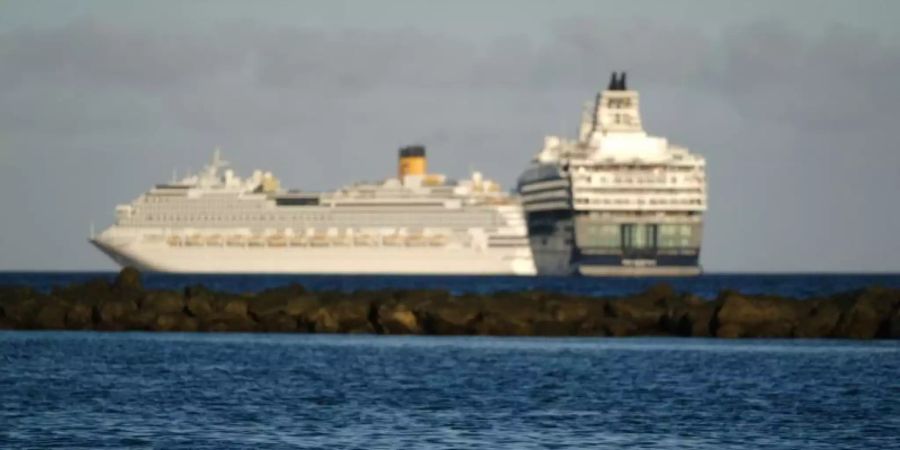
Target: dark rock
column 226, row 321
column 868, row 316
column 129, row 279
column 511, row 316
column 174, row 322
column 894, row 326
column 452, row 317
column 302, row 306
column 199, row 306
column 398, row 318
column 80, row 317
column 343, row 316
column 291, row 301
column 51, row 316
column 124, row 305
column 162, row 302
column 21, row 310
column 644, row 313
column 820, row 321
column 693, row 320
column 115, row 314
column 278, row 322
column 740, row 316
column 91, row 293
column 233, row 305
column 618, row 327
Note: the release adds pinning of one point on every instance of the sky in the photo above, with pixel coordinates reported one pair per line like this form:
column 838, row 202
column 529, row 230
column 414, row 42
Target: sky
column 793, row 104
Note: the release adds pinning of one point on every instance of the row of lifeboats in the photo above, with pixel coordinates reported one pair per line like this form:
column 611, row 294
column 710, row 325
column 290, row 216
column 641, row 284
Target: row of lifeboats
column 318, row 240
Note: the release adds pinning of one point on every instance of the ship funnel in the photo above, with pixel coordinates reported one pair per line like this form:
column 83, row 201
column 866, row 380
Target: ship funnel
column 412, row 161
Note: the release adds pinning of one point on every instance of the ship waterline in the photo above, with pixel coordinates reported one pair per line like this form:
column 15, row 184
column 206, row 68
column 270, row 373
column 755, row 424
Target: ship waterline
column 160, row 257
column 416, row 223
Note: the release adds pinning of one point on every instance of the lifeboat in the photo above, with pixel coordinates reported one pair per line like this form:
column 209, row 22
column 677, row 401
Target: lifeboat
column 299, row 241
column 416, row 240
column 437, row 241
column 256, row 241
column 215, row 239
column 364, row 239
column 195, row 240
column 393, row 240
column 319, row 240
column 276, row 240
column 174, row 240
column 342, row 240
column 236, row 241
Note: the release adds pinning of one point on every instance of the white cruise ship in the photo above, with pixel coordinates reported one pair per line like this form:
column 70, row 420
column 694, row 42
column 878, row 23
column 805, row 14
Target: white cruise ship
column 416, row 223
column 615, row 201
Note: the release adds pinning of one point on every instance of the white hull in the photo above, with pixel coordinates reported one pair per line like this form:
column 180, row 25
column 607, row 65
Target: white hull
column 159, row 257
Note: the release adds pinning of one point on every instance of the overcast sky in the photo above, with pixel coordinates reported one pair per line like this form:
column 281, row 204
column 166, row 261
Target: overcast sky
column 796, row 107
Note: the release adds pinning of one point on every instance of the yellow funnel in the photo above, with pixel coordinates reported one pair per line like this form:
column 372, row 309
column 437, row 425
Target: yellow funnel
column 412, row 161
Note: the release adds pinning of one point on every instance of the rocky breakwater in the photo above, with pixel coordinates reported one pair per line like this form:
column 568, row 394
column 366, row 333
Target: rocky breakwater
column 125, row 305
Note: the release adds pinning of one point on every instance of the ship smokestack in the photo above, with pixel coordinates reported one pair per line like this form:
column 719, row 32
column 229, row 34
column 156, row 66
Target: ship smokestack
column 612, row 82
column 412, row 161
column 622, row 82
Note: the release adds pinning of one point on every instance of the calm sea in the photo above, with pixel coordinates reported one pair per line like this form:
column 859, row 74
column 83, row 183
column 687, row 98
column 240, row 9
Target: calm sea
column 88, row 390
column 791, row 285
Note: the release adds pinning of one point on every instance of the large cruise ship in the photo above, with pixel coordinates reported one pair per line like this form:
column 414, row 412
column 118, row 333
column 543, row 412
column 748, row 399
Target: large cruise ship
column 416, row 223
column 615, row 201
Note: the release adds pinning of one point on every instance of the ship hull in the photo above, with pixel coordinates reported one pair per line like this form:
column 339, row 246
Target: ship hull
column 159, row 257
column 561, row 245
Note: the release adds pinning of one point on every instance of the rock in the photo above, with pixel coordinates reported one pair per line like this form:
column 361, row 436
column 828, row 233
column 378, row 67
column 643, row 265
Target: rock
column 115, row 314
column 21, row 310
column 266, row 306
column 174, row 322
column 729, row 331
column 894, row 326
column 820, row 321
column 279, row 323
column 644, row 313
column 511, row 316
column 301, row 306
column 868, row 315
column 163, row 302
column 452, row 317
column 51, row 316
column 199, row 306
column 91, row 293
column 166, row 322
column 398, row 318
column 234, row 305
column 343, row 316
column 80, row 317
column 618, row 327
column 755, row 317
column 129, row 279
column 694, row 320
column 225, row 322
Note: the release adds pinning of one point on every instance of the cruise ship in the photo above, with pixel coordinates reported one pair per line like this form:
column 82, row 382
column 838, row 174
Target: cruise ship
column 415, row 223
column 615, row 201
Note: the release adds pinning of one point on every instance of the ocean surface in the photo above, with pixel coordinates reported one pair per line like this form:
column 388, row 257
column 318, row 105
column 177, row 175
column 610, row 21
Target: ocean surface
column 708, row 286
column 89, row 390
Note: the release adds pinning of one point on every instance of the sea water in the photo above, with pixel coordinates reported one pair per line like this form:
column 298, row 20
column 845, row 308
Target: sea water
column 89, row 390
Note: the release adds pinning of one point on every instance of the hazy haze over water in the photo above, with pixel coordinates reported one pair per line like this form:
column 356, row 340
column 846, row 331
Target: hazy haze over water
column 795, row 107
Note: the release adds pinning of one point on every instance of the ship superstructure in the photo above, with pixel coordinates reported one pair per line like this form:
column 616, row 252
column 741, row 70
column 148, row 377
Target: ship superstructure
column 415, row 223
column 615, row 201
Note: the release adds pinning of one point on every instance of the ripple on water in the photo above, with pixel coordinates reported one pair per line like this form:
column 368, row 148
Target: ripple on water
column 214, row 391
